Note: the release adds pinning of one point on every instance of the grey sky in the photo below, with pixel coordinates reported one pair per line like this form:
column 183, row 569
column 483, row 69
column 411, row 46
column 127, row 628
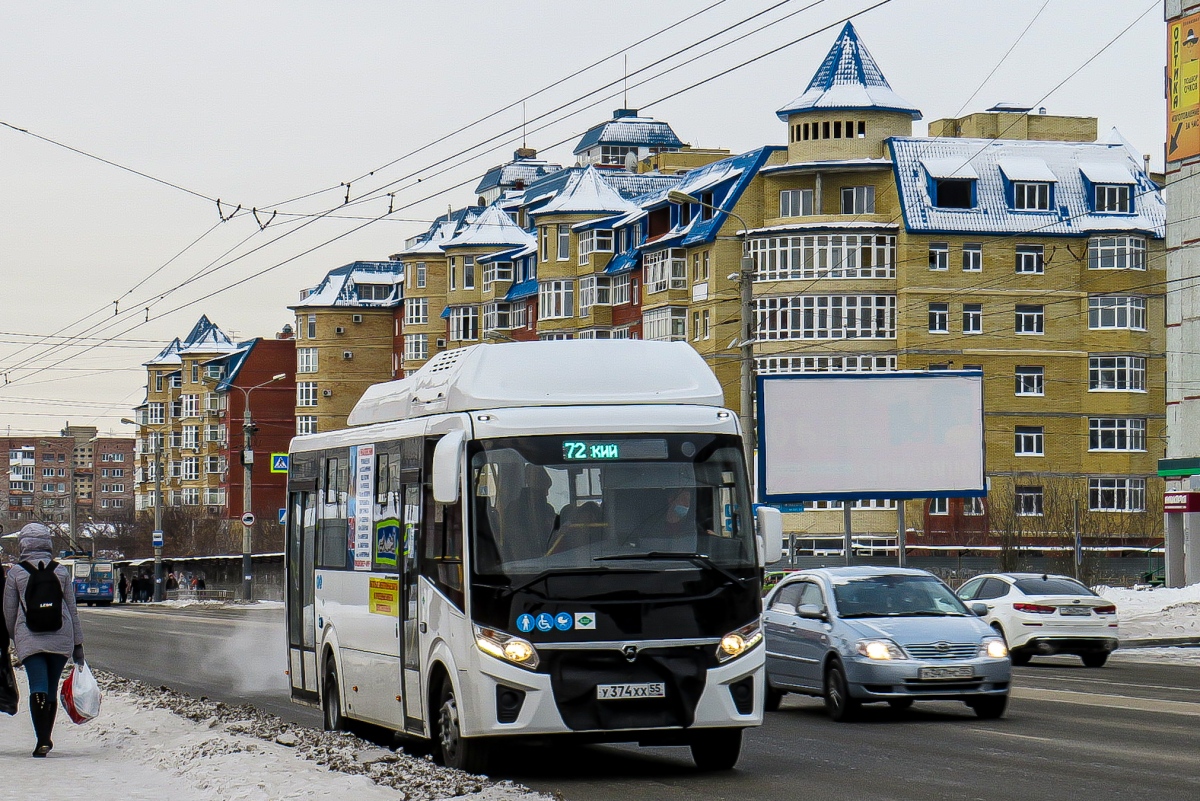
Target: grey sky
column 258, row 102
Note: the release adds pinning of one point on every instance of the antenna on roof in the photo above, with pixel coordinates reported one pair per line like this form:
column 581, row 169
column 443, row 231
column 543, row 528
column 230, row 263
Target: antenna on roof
column 626, row 100
column 524, row 144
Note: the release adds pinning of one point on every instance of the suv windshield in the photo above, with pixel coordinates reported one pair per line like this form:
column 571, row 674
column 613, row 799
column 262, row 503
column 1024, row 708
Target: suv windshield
column 1051, row 585
column 894, row 596
column 577, row 504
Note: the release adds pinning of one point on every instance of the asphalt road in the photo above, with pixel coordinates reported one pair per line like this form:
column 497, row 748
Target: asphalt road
column 1125, row 731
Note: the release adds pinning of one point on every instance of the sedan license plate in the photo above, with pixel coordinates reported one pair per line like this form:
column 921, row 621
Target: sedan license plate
column 1072, row 611
column 946, row 673
column 611, row 692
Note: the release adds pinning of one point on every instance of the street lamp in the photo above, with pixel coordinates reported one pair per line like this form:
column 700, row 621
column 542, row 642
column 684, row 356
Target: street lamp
column 746, row 284
column 158, row 502
column 248, row 429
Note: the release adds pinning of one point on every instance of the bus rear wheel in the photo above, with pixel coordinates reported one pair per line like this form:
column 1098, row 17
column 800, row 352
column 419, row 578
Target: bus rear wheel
column 331, row 700
column 716, row 749
column 454, row 750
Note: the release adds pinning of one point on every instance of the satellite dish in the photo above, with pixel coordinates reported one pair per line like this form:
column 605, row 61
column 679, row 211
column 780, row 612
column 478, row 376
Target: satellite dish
column 631, row 161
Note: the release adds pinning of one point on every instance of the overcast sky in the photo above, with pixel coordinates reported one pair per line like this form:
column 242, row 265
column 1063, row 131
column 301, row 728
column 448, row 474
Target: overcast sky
column 257, row 102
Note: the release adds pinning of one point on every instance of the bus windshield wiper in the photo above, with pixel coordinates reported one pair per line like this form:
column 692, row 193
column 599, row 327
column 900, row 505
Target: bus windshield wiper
column 545, row 574
column 699, row 559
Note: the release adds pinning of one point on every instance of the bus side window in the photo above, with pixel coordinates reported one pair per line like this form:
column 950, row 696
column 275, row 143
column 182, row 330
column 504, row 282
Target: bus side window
column 442, row 547
column 334, row 548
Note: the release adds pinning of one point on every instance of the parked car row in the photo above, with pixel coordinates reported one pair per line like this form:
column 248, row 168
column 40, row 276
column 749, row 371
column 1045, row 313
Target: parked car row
column 856, row 635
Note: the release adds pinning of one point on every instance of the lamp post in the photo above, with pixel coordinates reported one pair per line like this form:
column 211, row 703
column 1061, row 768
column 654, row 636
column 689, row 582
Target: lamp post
column 248, row 429
column 746, row 284
column 158, row 503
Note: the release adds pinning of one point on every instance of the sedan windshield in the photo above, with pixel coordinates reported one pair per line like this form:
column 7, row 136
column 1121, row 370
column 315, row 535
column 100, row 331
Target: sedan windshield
column 895, row 596
column 582, row 504
column 1052, row 585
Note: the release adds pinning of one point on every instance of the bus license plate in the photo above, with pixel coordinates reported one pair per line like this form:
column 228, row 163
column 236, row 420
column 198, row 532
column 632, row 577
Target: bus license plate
column 610, row 692
column 946, row 673
column 94, row 590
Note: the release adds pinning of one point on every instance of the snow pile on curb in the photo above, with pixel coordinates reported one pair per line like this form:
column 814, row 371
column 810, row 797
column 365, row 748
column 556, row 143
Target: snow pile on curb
column 1154, row 613
column 240, row 752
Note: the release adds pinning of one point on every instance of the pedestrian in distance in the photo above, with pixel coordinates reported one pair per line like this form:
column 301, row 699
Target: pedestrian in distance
column 123, row 588
column 40, row 613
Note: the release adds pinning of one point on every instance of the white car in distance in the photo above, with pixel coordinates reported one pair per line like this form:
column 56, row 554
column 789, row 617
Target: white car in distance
column 1042, row 614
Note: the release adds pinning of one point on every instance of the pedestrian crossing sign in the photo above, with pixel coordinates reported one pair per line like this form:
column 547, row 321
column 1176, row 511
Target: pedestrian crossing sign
column 279, row 462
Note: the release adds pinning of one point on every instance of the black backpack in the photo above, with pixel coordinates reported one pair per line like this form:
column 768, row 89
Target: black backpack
column 43, row 598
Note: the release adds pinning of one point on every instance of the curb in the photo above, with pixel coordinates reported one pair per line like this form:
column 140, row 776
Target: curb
column 1163, row 642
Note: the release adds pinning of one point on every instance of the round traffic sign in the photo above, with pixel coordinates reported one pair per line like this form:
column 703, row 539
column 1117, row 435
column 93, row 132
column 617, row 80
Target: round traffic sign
column 248, row 519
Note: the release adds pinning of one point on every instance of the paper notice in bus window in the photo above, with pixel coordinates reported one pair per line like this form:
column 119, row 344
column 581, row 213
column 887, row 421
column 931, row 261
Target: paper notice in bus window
column 384, row 597
column 364, row 483
column 412, row 513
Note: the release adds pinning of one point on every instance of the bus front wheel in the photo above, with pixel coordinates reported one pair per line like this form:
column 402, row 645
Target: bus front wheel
column 331, row 700
column 716, row 749
column 454, row 750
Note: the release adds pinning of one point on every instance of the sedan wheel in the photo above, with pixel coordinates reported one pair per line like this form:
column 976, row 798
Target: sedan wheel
column 989, row 707
column 900, row 703
column 838, row 703
column 1094, row 660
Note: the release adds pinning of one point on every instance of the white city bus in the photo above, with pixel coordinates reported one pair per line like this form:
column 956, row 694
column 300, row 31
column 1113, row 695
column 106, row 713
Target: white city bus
column 533, row 539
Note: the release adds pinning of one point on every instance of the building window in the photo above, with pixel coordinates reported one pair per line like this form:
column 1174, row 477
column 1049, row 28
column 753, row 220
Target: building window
column 823, row 256
column 615, row 154
column 306, row 360
column 545, row 243
column 593, row 291
column 972, row 258
column 939, row 318
column 214, row 465
column 826, row 317
column 495, row 271
column 858, row 200
column 214, row 433
column 306, row 393
column 1117, row 434
column 972, row 318
column 190, row 405
column 1031, row 259
column 155, row 414
column 468, row 272
column 1031, row 380
column 1112, row 198
column 312, row 326
column 973, row 507
column 796, row 203
column 464, row 323
column 1109, row 311
column 158, row 382
column 1116, row 374
column 306, row 424
column 564, row 242
column 666, row 269
column 1118, row 494
column 1029, row 501
column 1030, row 319
column 939, row 256
column 620, row 289
column 596, row 241
column 665, row 324
column 939, row 507
column 416, row 347
column 416, row 311
column 1117, row 253
column 1031, row 196
column 556, row 300
column 706, row 324
column 953, row 193
column 191, row 437
column 1029, row 441
column 191, row 468
column 422, row 274
column 190, row 496
column 452, row 274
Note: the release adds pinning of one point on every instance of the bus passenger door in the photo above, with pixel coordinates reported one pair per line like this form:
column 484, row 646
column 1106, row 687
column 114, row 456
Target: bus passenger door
column 410, row 646
column 301, row 625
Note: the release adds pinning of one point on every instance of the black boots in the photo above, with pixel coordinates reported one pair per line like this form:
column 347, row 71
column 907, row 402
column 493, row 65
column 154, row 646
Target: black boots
column 43, row 710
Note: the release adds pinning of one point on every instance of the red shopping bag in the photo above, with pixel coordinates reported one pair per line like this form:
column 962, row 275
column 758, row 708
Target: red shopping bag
column 80, row 695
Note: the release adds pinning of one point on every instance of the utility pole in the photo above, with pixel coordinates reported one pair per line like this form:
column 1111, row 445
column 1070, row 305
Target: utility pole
column 158, row 529
column 247, row 507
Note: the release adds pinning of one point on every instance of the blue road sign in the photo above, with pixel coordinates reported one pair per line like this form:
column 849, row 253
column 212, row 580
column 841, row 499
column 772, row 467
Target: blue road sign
column 282, row 516
column 545, row 622
column 525, row 623
column 563, row 621
column 158, row 539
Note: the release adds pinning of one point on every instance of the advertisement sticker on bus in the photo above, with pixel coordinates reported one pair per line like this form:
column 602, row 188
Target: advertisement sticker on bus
column 387, row 538
column 384, row 596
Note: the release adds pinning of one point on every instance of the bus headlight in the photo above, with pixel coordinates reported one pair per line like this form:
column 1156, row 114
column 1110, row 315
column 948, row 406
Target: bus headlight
column 736, row 643
column 507, row 647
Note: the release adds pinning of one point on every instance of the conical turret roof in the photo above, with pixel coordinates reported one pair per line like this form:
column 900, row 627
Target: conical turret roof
column 849, row 78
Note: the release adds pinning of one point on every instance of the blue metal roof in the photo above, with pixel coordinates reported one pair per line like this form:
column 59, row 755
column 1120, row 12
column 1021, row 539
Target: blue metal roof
column 233, row 364
column 446, row 313
column 623, row 263
column 522, row 170
column 1071, row 211
column 849, row 78
column 525, row 289
column 626, row 128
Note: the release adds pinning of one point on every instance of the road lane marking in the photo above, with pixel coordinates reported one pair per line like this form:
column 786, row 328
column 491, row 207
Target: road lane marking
column 1126, row 702
column 1118, row 684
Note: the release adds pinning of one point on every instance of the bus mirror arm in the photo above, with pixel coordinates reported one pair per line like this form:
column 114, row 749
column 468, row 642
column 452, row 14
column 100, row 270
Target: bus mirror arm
column 769, row 523
column 447, row 468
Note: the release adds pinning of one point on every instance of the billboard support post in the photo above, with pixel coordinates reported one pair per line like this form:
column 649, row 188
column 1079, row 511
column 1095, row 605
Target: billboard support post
column 848, row 532
column 901, row 545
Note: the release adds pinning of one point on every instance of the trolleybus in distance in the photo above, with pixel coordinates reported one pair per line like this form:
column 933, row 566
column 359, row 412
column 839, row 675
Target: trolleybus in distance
column 539, row 539
column 92, row 579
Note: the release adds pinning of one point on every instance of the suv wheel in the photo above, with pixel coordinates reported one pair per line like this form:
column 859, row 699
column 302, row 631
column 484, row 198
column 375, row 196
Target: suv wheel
column 838, row 703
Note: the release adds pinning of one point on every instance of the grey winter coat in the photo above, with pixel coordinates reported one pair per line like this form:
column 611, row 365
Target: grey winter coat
column 36, row 545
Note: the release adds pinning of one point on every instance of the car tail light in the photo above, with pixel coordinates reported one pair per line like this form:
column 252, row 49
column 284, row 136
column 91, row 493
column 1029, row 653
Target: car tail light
column 1111, row 609
column 1036, row 609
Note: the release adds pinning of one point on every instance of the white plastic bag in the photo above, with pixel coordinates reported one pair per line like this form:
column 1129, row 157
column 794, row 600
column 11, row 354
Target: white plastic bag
column 80, row 695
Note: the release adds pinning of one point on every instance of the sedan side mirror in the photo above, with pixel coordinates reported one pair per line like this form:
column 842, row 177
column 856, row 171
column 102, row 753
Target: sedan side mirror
column 812, row 612
column 979, row 608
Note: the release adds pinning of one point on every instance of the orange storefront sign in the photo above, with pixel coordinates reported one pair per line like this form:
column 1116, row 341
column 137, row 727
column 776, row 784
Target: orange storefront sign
column 1183, row 88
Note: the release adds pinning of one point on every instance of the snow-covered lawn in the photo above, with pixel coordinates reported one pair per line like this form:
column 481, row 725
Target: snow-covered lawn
column 1157, row 613
column 149, row 744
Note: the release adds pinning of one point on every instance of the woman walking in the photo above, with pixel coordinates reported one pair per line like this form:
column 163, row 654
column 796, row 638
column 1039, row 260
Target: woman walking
column 45, row 634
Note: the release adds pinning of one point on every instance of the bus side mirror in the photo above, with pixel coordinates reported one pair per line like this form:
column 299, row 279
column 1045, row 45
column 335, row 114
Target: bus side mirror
column 447, row 471
column 769, row 522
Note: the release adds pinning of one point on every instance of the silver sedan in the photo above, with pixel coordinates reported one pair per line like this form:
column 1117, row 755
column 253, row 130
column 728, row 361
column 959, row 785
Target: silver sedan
column 857, row 635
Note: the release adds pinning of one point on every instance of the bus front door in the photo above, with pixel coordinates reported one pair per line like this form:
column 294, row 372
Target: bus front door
column 410, row 652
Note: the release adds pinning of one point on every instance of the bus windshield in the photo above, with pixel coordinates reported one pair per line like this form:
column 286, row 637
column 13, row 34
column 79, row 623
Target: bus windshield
column 584, row 503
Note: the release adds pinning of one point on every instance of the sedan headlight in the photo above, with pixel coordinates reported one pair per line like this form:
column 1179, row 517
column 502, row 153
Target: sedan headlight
column 993, row 648
column 880, row 649
column 736, row 643
column 507, row 647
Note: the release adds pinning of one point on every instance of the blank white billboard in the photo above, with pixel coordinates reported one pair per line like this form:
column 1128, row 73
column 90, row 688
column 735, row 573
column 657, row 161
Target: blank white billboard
column 870, row 435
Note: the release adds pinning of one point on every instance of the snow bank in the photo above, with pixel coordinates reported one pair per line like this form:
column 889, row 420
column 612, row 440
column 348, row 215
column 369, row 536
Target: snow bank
column 151, row 743
column 1155, row 613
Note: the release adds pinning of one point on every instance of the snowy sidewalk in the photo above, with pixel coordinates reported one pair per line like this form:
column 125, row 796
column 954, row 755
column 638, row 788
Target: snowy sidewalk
column 139, row 753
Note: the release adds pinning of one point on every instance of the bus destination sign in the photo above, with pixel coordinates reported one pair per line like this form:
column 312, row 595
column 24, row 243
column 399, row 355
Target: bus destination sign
column 575, row 450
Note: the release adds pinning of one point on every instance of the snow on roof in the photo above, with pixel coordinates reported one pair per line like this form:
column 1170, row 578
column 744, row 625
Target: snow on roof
column 443, row 229
column 586, row 192
column 1115, row 137
column 824, row 164
column 823, row 226
column 1071, row 212
column 948, row 168
column 566, row 373
column 519, row 170
column 508, row 255
column 1106, row 173
column 340, row 286
column 628, row 129
column 206, row 337
column 168, row 355
column 848, row 78
column 490, row 229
